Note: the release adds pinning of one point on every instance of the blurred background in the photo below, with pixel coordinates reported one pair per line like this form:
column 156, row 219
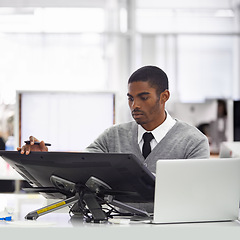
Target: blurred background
column 92, row 46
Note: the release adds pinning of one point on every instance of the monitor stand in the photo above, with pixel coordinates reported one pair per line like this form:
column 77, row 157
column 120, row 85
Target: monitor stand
column 88, row 197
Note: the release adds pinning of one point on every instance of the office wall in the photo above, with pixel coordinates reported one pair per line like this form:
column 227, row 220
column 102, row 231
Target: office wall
column 95, row 45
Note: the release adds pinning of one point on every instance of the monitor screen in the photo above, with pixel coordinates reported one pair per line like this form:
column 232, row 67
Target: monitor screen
column 123, row 173
column 229, row 150
column 55, row 116
column 236, row 120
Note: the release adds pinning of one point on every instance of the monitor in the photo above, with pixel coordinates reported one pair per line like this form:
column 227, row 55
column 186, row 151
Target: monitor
column 229, row 150
column 57, row 116
column 236, row 120
column 123, row 173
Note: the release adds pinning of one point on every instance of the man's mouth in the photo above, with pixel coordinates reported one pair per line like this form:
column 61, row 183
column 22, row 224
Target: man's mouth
column 136, row 114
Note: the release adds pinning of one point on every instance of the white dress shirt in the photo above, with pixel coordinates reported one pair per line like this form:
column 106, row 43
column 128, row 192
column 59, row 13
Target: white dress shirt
column 158, row 133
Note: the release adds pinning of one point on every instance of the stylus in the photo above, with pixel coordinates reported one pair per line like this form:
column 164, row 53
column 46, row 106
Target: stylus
column 37, row 143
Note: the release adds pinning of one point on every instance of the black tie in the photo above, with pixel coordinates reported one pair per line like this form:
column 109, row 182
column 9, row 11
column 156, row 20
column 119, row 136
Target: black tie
column 147, row 138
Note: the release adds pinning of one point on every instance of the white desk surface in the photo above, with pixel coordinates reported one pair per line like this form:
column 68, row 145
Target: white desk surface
column 60, row 226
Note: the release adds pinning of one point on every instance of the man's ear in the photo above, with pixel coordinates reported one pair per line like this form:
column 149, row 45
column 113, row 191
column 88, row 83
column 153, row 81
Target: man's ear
column 164, row 96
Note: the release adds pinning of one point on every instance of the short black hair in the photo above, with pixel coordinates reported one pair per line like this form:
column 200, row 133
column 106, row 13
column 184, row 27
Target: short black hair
column 156, row 77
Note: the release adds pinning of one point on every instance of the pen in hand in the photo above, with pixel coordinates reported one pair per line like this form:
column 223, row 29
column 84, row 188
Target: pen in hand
column 37, row 143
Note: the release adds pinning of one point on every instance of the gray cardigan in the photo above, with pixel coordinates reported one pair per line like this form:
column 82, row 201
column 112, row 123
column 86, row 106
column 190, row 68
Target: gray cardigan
column 182, row 141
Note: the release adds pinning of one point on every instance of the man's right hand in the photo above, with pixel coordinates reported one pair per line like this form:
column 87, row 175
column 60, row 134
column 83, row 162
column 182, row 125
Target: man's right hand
column 27, row 148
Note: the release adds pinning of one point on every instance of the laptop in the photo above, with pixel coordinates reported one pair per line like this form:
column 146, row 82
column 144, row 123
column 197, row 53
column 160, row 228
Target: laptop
column 197, row 190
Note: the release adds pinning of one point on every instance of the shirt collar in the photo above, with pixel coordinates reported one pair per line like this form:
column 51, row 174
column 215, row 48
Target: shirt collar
column 160, row 131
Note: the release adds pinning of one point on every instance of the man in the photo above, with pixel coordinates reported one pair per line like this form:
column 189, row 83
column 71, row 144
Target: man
column 171, row 139
column 147, row 94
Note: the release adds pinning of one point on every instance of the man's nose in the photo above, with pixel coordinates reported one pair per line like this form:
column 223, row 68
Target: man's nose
column 135, row 104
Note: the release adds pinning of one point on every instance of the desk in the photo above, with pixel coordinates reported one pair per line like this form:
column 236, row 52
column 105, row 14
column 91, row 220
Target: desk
column 60, row 226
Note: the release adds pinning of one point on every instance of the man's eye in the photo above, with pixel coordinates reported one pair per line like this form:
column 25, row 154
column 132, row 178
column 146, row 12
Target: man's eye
column 130, row 99
column 144, row 98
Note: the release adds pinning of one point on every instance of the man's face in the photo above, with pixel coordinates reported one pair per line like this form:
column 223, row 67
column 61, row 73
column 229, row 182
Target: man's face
column 147, row 108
